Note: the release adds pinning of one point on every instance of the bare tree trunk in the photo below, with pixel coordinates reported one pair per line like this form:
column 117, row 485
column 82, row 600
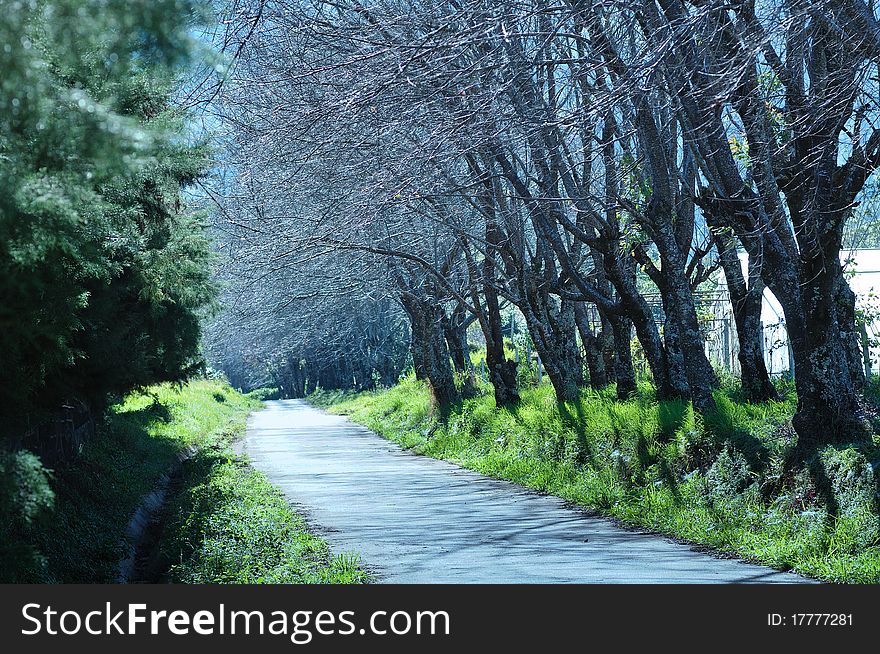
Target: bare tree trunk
column 847, row 323
column 669, row 380
column 592, row 348
column 684, row 342
column 828, row 409
column 455, row 331
column 746, row 302
column 417, row 350
column 456, row 342
column 553, row 332
column 623, row 365
column 608, row 347
column 427, row 328
column 502, row 371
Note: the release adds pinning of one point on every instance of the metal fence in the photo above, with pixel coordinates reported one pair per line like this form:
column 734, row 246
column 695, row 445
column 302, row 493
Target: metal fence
column 715, row 315
column 718, row 327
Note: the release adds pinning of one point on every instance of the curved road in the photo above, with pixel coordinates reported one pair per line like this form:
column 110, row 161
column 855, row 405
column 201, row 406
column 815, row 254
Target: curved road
column 415, row 519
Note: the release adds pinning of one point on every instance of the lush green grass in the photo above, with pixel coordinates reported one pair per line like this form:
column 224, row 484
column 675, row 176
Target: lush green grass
column 79, row 537
column 656, row 465
column 74, row 532
column 228, row 524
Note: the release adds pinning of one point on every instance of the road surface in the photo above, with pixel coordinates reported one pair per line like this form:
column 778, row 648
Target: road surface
column 414, row 519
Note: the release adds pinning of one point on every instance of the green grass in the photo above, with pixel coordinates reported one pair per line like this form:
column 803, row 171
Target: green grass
column 79, row 539
column 655, row 465
column 87, row 501
column 231, row 526
column 227, row 524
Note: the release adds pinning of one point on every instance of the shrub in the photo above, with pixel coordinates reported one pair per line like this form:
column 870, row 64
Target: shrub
column 728, row 476
column 26, row 499
column 852, row 479
column 262, row 394
column 854, row 489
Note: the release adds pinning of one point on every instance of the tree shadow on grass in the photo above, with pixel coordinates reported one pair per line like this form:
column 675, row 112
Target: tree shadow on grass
column 649, row 455
column 96, row 493
column 576, row 421
column 723, row 428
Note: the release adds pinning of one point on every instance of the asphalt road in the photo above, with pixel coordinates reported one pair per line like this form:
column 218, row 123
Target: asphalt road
column 414, row 519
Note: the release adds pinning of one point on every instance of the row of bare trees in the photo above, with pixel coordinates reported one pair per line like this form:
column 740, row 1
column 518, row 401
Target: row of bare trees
column 438, row 161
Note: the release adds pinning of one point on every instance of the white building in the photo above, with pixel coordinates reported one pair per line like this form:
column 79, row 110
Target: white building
column 863, row 273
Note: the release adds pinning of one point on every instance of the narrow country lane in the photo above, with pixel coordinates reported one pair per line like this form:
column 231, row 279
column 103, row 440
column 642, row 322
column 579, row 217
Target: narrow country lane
column 415, row 519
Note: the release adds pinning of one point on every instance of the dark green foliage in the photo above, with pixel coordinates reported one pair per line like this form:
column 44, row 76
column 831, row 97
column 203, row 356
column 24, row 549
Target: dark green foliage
column 852, row 479
column 854, row 489
column 103, row 273
column 265, row 394
column 26, row 500
column 728, row 476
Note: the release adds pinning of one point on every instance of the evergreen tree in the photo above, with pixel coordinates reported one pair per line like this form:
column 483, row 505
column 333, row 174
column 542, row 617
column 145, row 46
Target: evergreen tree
column 103, row 272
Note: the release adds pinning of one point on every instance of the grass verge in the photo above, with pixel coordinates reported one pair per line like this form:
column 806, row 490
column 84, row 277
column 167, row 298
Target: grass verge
column 67, row 525
column 227, row 524
column 655, row 465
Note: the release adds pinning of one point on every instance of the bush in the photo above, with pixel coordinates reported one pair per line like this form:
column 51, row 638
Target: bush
column 852, row 479
column 854, row 488
column 104, row 272
column 728, row 477
column 26, row 500
column 262, row 394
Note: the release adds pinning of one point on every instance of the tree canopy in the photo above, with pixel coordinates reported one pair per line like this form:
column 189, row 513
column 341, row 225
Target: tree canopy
column 104, row 273
column 592, row 165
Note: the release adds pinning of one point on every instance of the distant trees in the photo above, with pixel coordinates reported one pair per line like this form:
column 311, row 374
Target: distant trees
column 278, row 332
column 569, row 159
column 104, row 274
